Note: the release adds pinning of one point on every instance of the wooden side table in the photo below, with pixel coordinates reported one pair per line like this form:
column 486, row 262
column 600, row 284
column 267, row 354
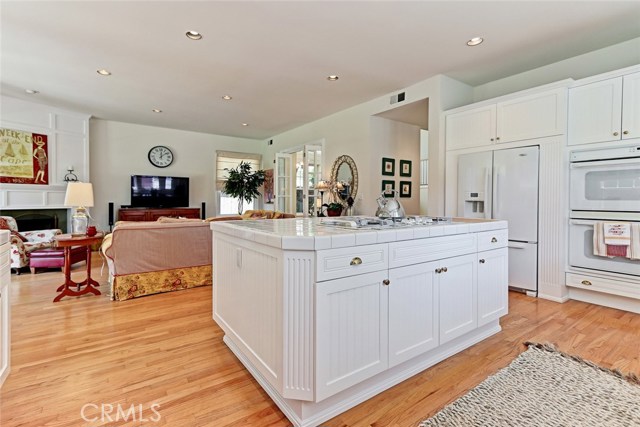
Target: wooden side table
column 69, row 287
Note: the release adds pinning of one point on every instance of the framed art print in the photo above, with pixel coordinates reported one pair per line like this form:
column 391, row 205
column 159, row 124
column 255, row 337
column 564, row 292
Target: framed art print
column 388, row 166
column 405, row 188
column 405, row 167
column 388, row 187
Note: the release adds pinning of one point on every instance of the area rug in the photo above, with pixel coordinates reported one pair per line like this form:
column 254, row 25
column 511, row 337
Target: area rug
column 545, row 387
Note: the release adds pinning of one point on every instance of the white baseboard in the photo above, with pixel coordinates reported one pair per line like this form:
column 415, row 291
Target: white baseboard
column 554, row 299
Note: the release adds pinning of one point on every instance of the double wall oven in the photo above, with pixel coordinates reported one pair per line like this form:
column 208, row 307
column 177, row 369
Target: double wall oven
column 605, row 186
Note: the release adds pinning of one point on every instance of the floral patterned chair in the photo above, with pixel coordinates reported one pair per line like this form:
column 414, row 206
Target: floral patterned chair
column 22, row 244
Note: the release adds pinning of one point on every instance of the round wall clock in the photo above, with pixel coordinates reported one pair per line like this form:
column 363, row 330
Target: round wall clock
column 160, row 156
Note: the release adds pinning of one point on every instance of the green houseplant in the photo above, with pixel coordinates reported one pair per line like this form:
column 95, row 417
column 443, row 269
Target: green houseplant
column 334, row 209
column 243, row 183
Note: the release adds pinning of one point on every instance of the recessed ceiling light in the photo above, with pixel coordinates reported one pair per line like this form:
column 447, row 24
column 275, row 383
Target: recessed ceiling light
column 332, row 78
column 155, row 110
column 245, row 124
column 31, row 91
column 104, row 72
column 193, row 35
column 475, row 41
column 227, row 97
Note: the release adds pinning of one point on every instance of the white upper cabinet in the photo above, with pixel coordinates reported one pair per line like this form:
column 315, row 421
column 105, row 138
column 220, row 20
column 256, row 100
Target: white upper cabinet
column 631, row 106
column 533, row 116
column 471, row 128
column 526, row 117
column 607, row 110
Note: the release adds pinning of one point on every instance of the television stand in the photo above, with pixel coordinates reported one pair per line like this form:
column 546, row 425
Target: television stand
column 152, row 214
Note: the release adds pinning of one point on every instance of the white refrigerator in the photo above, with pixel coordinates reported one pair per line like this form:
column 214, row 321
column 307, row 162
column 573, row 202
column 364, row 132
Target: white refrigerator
column 503, row 184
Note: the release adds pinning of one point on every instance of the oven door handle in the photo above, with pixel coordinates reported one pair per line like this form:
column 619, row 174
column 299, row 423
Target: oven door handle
column 581, row 222
column 630, row 162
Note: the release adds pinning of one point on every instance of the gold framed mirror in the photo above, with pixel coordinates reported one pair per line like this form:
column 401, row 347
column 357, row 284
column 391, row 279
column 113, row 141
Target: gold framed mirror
column 345, row 172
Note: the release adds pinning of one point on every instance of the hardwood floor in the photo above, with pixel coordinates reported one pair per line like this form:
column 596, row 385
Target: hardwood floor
column 165, row 349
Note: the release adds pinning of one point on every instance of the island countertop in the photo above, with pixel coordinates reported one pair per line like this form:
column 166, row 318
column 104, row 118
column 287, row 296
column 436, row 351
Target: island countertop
column 312, row 234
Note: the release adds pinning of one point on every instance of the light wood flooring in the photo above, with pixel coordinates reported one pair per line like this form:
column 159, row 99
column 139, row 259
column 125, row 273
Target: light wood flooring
column 166, row 349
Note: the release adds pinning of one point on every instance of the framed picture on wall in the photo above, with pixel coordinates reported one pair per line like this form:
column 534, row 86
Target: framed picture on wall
column 388, row 166
column 405, row 167
column 405, row 188
column 388, row 187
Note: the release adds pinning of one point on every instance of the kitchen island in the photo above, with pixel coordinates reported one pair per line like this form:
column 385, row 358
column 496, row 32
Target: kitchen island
column 325, row 317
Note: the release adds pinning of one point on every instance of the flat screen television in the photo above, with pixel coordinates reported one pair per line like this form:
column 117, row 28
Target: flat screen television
column 149, row 191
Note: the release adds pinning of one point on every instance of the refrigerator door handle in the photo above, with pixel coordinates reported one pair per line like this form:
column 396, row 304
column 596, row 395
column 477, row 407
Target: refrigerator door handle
column 488, row 200
column 496, row 195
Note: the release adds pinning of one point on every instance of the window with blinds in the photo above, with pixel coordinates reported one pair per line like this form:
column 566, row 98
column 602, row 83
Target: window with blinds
column 228, row 205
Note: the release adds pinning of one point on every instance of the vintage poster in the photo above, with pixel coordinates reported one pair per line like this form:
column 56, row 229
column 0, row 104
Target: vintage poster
column 23, row 157
column 268, row 186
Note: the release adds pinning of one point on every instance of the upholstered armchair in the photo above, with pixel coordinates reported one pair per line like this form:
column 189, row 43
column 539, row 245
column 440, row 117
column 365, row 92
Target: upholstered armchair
column 22, row 244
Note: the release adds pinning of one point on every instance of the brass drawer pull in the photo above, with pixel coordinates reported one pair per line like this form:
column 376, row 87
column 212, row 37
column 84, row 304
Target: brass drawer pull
column 356, row 261
column 494, row 240
column 626, row 132
column 586, row 283
column 616, row 134
column 386, row 282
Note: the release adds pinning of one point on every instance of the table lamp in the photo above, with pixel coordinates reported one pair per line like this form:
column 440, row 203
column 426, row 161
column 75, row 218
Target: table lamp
column 79, row 194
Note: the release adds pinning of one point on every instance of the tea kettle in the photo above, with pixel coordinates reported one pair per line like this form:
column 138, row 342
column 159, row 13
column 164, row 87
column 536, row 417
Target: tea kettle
column 389, row 208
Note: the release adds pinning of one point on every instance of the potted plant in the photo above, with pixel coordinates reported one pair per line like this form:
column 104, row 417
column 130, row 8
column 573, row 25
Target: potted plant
column 334, row 209
column 243, row 183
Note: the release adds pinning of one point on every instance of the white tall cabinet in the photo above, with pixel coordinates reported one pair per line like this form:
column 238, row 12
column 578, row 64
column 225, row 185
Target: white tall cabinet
column 5, row 306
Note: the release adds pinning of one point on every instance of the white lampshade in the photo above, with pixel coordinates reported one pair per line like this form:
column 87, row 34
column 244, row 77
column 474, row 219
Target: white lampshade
column 79, row 194
column 322, row 185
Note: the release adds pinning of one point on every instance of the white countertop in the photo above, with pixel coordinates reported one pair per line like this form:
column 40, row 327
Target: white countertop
column 310, row 234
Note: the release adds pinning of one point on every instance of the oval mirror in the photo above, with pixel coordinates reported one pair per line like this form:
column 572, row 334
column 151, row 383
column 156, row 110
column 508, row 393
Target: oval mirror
column 345, row 172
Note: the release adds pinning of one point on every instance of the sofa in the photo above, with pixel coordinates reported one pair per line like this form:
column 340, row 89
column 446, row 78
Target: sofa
column 25, row 242
column 170, row 254
column 146, row 258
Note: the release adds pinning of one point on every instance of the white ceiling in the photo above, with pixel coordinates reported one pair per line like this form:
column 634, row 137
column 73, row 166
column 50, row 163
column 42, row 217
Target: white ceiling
column 273, row 57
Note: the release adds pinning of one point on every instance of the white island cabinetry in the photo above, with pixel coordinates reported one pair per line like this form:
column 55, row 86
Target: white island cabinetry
column 325, row 318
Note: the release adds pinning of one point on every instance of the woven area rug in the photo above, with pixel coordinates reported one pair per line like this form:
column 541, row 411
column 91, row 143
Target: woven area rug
column 544, row 387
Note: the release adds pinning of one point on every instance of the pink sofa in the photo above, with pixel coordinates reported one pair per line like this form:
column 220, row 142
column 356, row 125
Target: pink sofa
column 147, row 258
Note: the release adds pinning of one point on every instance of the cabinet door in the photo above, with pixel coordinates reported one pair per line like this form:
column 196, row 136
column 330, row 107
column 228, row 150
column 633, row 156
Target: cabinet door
column 493, row 285
column 472, row 128
column 457, row 296
column 351, row 331
column 631, row 106
column 595, row 112
column 132, row 215
column 413, row 312
column 533, row 116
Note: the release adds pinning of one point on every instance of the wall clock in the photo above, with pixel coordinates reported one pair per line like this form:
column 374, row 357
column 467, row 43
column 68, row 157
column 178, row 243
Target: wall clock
column 160, row 156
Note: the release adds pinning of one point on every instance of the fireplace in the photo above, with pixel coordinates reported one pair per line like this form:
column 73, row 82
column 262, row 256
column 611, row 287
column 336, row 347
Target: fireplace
column 39, row 219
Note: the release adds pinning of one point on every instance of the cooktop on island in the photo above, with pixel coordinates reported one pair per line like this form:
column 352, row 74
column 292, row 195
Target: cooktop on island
column 372, row 222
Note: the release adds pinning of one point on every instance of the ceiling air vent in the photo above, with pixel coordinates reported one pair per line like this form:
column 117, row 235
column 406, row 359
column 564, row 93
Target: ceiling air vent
column 397, row 98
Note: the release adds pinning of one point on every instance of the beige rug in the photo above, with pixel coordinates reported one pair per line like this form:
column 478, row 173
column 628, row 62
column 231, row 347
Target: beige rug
column 544, row 387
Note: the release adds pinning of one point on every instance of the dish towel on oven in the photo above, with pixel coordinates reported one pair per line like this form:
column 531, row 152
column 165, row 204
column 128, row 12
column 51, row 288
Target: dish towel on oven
column 621, row 239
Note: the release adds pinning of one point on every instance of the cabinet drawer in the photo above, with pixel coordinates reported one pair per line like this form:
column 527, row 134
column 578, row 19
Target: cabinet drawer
column 495, row 239
column 598, row 284
column 423, row 250
column 343, row 262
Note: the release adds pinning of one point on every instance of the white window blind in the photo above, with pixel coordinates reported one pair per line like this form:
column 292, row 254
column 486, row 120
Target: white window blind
column 231, row 159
